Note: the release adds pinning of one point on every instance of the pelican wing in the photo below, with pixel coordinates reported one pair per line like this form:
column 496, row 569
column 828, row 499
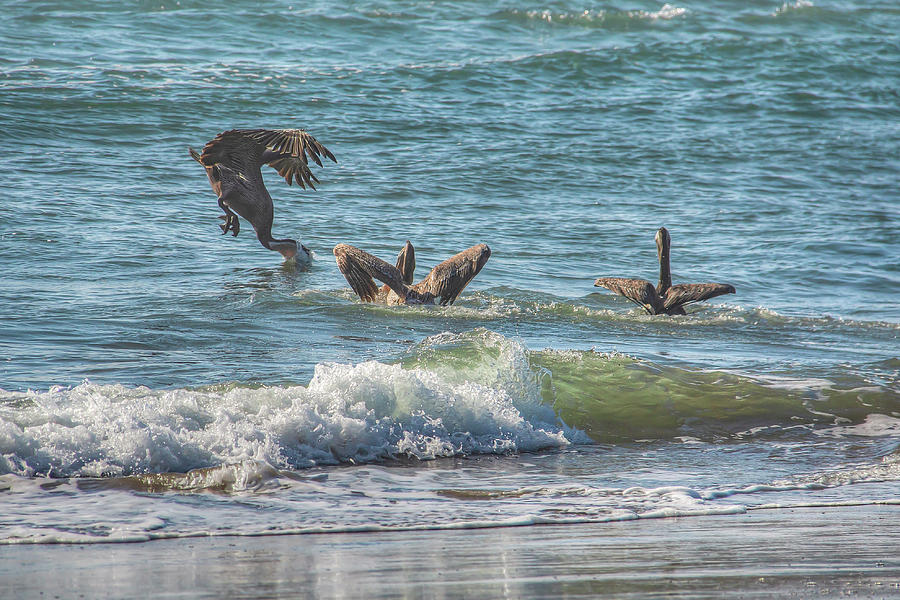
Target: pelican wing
column 285, row 150
column 211, row 173
column 237, row 149
column 450, row 278
column 359, row 268
column 639, row 291
column 288, row 151
column 686, row 293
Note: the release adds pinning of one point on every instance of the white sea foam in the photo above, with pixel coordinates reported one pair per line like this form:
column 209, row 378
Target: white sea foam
column 792, row 6
column 384, row 498
column 348, row 413
column 887, row 470
column 667, row 11
column 506, row 303
column 875, row 425
column 392, row 501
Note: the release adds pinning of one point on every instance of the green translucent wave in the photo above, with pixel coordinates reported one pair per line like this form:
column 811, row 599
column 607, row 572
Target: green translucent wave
column 616, row 398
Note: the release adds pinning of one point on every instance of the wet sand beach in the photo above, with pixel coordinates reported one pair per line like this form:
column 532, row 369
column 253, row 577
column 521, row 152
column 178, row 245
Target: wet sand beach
column 822, row 552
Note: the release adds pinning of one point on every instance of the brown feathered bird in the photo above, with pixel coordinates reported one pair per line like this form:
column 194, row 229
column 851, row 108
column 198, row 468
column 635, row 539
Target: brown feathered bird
column 233, row 161
column 445, row 282
column 665, row 298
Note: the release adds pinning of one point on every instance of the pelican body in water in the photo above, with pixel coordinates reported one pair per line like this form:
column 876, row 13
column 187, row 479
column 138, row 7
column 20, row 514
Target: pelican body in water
column 665, row 298
column 445, row 282
column 233, row 161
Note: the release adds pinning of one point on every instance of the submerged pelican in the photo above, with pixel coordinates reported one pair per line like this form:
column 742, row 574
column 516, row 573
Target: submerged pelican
column 445, row 282
column 232, row 161
column 665, row 298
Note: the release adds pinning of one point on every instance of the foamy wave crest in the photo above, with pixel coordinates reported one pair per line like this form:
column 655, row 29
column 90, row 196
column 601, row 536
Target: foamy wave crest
column 246, row 475
column 789, row 7
column 589, row 17
column 347, row 414
column 503, row 303
column 887, row 470
column 666, row 12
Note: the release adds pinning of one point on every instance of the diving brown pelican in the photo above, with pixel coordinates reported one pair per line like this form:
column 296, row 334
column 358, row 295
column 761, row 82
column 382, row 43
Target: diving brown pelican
column 232, row 161
column 665, row 298
column 445, row 282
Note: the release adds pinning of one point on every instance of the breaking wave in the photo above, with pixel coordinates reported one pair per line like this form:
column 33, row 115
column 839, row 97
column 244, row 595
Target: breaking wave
column 451, row 395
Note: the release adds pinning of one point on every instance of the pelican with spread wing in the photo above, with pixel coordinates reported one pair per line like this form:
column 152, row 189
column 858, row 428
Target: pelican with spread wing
column 665, row 298
column 233, row 161
column 445, row 282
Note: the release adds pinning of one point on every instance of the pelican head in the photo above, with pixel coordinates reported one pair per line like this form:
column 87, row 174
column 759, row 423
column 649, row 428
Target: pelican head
column 406, row 262
column 291, row 250
column 416, row 297
column 663, row 242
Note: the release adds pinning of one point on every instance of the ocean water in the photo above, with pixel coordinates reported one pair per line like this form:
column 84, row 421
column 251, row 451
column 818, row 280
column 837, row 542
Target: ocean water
column 160, row 380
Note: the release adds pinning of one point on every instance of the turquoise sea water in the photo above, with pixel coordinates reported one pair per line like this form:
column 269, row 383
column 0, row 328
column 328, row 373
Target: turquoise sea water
column 147, row 361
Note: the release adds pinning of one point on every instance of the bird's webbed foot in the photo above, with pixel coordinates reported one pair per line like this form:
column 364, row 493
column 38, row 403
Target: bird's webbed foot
column 231, row 221
column 231, row 224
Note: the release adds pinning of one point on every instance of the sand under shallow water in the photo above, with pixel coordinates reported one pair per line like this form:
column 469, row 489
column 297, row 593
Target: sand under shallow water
column 824, row 552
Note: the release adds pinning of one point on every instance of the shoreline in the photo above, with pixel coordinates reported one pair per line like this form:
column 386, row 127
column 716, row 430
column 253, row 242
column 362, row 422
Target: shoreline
column 825, row 551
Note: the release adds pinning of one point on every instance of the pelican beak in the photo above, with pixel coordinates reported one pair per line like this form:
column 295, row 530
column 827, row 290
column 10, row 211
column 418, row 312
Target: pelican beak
column 288, row 253
column 662, row 241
